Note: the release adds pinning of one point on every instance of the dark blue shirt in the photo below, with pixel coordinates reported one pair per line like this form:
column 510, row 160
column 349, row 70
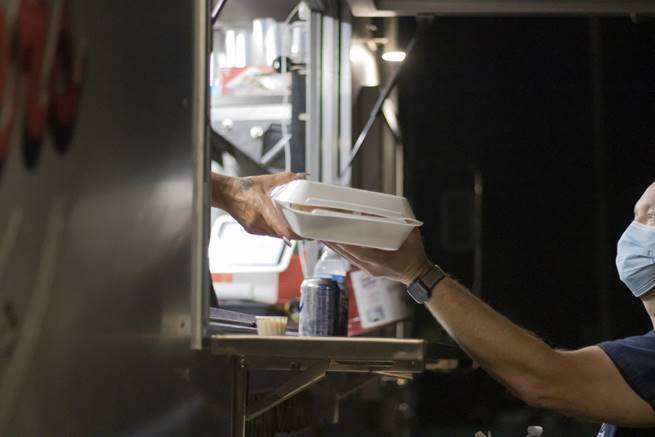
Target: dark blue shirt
column 634, row 357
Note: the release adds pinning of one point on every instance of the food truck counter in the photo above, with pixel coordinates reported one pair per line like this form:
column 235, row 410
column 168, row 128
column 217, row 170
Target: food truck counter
column 311, row 359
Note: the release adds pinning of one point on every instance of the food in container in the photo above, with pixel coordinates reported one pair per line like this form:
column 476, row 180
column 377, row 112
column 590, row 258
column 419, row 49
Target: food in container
column 345, row 215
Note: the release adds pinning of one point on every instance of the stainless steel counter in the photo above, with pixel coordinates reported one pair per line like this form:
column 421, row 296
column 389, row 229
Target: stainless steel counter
column 341, row 354
column 312, row 358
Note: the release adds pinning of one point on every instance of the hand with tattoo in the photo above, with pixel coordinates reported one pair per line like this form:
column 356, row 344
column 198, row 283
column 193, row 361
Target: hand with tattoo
column 248, row 200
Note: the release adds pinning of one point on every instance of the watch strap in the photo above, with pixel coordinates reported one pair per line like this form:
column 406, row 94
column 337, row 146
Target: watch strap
column 421, row 289
column 433, row 277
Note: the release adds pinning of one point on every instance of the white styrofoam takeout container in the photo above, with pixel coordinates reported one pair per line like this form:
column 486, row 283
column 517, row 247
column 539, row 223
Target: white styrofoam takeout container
column 345, row 215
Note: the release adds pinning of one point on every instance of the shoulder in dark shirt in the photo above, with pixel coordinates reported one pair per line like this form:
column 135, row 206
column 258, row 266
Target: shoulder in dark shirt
column 634, row 357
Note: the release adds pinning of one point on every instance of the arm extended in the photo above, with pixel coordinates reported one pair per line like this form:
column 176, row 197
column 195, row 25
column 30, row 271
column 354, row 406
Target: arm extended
column 582, row 383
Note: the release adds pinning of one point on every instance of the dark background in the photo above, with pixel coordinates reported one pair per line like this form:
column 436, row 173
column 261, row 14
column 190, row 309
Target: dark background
column 556, row 115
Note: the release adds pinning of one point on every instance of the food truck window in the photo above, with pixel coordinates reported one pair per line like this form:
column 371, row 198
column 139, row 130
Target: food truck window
column 257, row 70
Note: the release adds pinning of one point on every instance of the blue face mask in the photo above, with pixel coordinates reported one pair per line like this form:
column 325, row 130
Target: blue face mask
column 635, row 258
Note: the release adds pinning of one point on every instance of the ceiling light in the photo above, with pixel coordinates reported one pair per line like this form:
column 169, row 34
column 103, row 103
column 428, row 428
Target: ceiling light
column 397, row 56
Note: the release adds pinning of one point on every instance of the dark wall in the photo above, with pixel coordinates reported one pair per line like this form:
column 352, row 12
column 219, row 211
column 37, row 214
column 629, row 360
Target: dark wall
column 629, row 72
column 514, row 97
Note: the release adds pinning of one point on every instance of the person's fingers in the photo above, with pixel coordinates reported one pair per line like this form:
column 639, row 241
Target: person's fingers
column 415, row 237
column 279, row 224
column 335, row 247
column 361, row 253
column 284, row 231
column 255, row 230
column 350, row 259
column 284, row 178
column 338, row 249
column 292, row 235
column 349, row 248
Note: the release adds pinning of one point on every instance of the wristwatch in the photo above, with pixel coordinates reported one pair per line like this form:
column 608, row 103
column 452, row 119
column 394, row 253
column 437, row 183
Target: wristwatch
column 421, row 289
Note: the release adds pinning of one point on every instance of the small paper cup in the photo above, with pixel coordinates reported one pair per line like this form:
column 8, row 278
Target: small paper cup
column 271, row 325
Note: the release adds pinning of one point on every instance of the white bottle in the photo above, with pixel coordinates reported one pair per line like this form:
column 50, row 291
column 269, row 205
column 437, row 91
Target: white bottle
column 535, row 431
column 331, row 266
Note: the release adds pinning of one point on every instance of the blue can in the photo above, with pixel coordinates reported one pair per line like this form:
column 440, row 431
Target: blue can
column 323, row 308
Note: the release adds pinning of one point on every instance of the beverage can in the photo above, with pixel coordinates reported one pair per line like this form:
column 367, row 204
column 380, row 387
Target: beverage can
column 322, row 305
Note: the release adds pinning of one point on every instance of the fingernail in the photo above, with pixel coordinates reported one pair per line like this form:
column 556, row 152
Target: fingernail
column 286, row 241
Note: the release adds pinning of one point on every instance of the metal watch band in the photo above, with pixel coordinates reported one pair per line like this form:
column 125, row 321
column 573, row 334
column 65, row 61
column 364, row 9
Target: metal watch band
column 421, row 289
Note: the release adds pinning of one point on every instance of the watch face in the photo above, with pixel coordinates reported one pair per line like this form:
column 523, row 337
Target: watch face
column 418, row 292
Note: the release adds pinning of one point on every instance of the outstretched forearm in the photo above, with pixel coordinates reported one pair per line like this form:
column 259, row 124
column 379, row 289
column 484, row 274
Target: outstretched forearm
column 583, row 383
column 512, row 355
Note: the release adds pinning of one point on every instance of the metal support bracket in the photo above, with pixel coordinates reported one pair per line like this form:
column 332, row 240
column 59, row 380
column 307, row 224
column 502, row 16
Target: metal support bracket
column 287, row 390
column 340, row 396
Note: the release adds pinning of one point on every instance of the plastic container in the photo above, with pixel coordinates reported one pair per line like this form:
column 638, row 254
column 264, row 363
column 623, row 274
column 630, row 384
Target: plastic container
column 271, row 325
column 345, row 215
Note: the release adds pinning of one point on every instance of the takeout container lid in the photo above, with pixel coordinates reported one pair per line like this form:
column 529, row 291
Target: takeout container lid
column 345, row 215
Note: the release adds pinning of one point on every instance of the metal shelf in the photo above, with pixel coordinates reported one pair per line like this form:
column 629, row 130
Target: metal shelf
column 343, row 354
column 312, row 358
